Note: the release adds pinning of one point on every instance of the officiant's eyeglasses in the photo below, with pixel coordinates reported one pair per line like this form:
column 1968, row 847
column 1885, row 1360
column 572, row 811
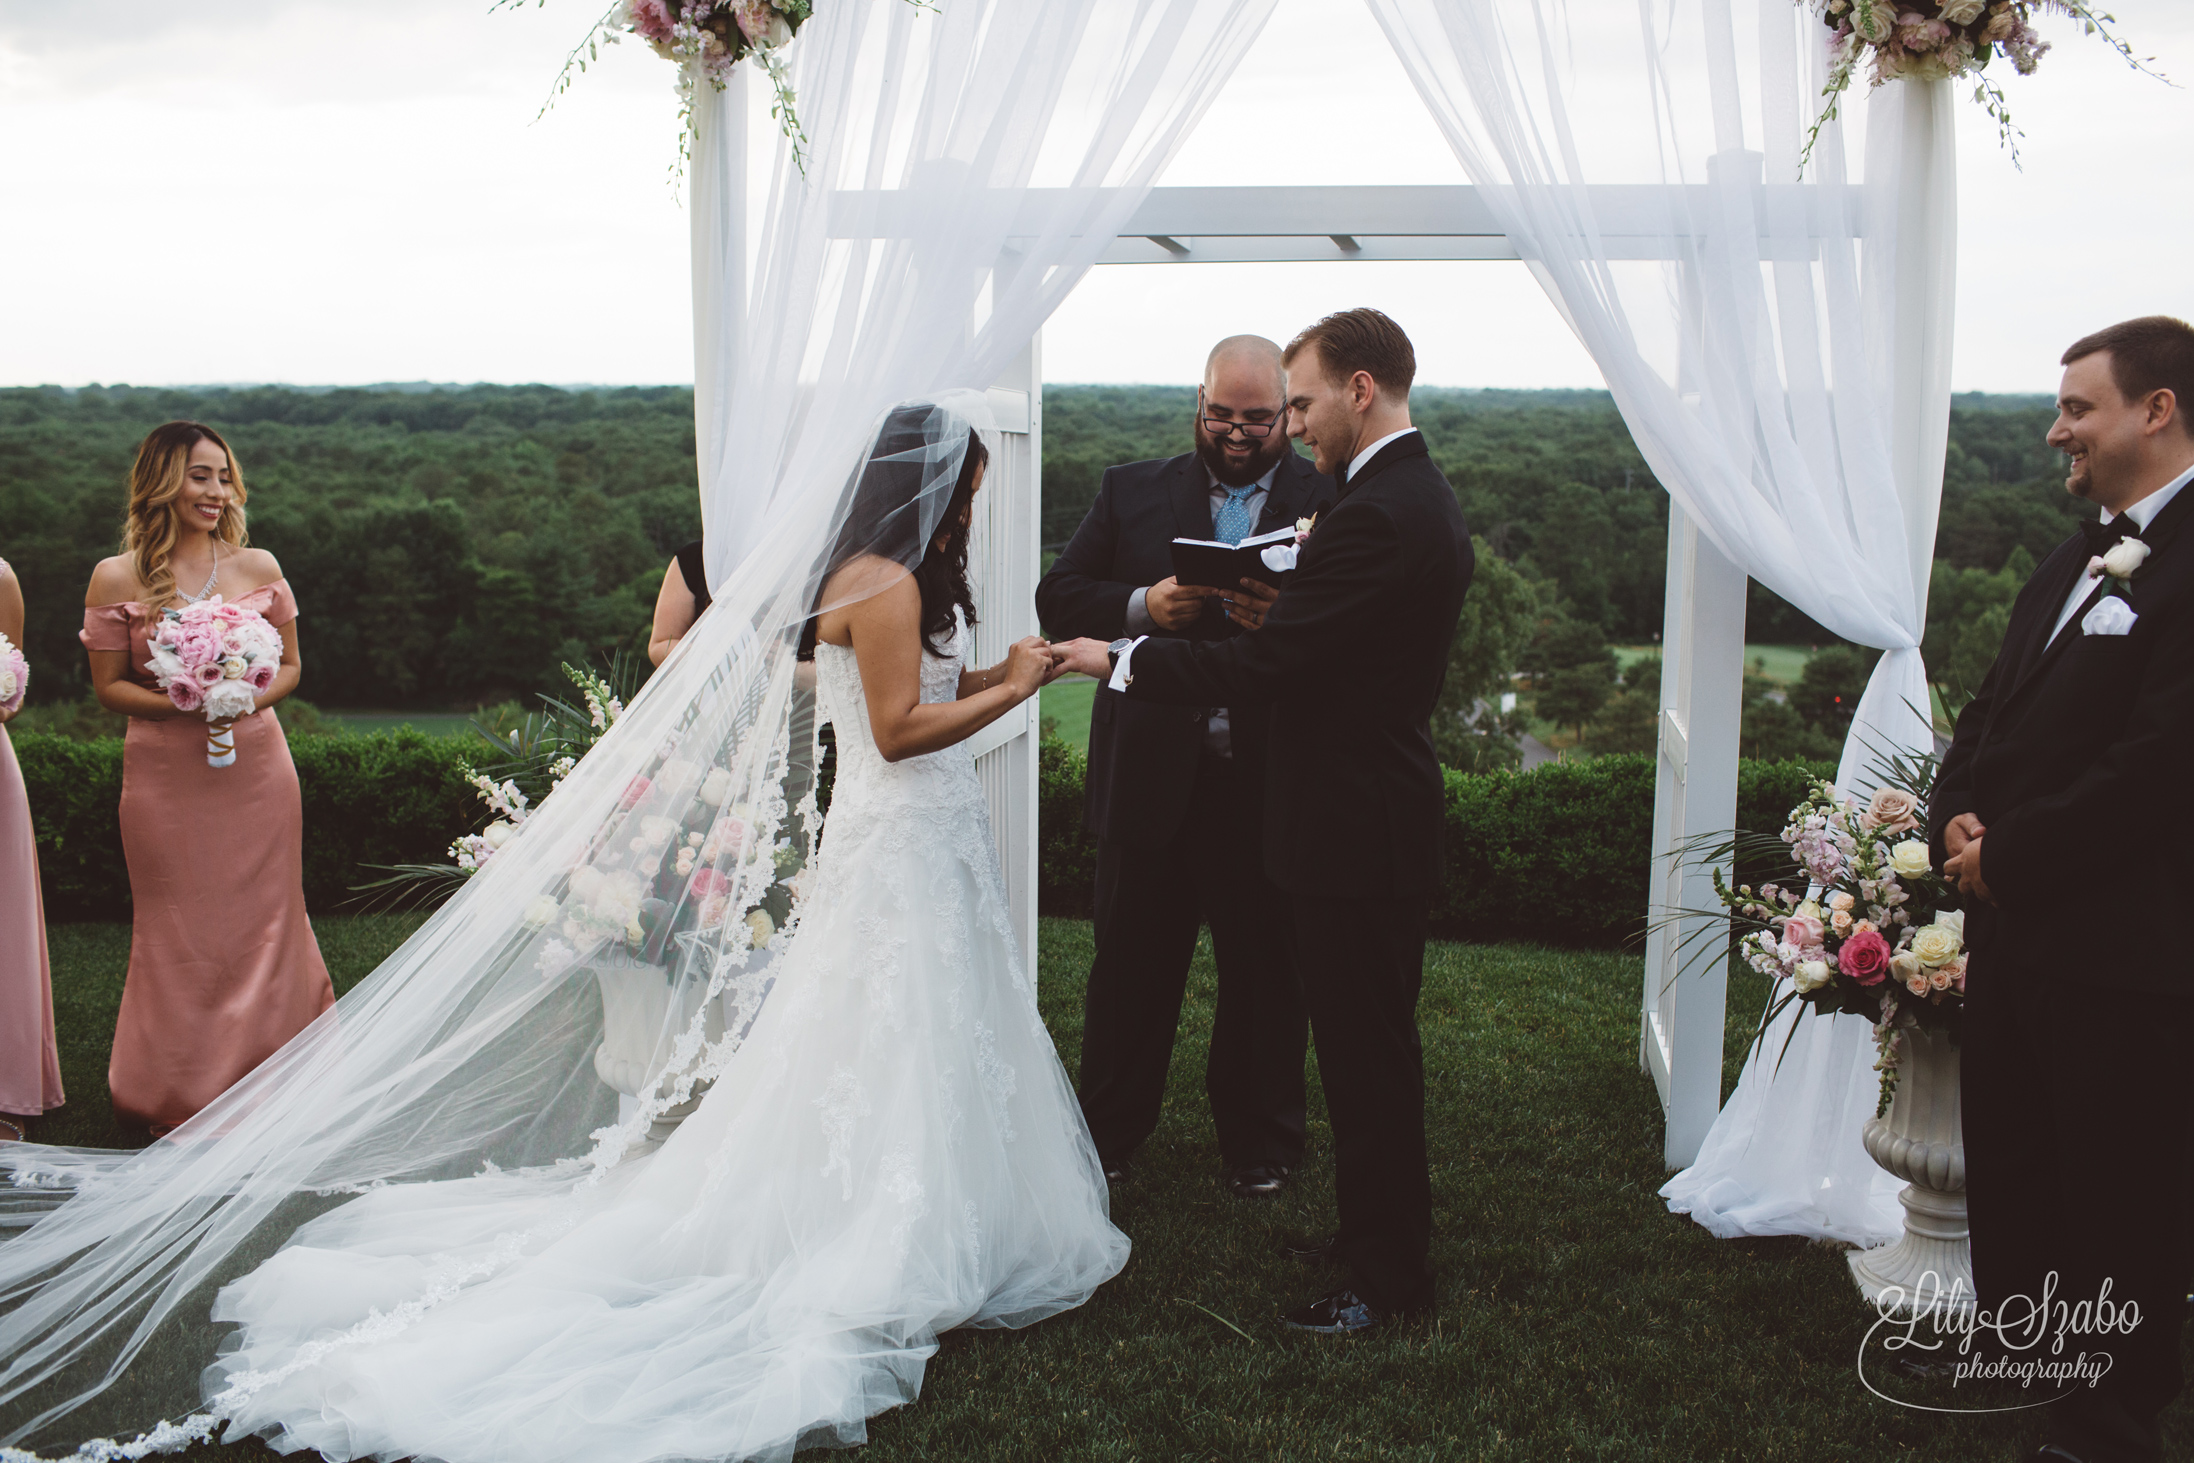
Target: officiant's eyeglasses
column 1219, row 427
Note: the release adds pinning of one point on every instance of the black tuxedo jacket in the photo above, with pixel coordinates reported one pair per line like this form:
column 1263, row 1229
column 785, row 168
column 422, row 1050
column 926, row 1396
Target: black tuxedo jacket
column 1143, row 757
column 1350, row 662
column 2078, row 758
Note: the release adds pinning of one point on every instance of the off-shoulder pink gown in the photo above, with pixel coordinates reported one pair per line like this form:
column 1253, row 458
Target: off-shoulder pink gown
column 223, row 965
column 30, row 1062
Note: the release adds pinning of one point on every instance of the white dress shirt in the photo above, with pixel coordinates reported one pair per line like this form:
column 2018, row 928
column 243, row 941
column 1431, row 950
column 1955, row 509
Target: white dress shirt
column 2143, row 514
column 1356, row 464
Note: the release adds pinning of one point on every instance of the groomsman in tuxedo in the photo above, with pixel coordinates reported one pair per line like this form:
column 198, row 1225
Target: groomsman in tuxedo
column 2061, row 811
column 1176, row 793
column 1351, row 660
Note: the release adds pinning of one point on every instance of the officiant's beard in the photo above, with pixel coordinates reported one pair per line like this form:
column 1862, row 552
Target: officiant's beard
column 1238, row 473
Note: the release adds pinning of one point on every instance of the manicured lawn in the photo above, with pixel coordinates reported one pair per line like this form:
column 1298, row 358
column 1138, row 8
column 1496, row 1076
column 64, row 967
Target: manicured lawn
column 1782, row 664
column 1066, row 704
column 1578, row 1319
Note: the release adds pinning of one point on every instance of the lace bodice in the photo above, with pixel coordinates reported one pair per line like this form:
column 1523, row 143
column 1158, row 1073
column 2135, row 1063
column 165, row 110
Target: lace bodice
column 845, row 706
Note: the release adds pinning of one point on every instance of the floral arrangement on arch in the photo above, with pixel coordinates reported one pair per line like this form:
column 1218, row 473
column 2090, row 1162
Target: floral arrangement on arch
column 1945, row 40
column 1863, row 926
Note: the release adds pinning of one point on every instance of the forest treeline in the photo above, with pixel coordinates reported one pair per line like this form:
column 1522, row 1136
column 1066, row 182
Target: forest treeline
column 452, row 546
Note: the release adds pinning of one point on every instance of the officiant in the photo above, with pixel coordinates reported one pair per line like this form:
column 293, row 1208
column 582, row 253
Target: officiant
column 1175, row 794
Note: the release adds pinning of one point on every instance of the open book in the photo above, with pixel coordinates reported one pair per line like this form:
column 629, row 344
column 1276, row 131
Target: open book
column 1216, row 565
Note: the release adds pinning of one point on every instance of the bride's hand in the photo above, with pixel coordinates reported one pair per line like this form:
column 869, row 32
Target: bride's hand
column 1030, row 665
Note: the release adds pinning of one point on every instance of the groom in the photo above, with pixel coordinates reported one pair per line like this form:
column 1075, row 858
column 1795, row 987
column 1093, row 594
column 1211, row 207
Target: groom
column 2058, row 811
column 1350, row 662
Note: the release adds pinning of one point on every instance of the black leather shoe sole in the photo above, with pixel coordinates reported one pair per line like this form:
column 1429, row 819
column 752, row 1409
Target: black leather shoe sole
column 1338, row 1313
column 1255, row 1183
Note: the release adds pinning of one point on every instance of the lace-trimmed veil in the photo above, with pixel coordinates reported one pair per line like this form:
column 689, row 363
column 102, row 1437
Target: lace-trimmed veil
column 475, row 1045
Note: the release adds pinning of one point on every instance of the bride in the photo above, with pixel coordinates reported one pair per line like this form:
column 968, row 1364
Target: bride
column 880, row 1143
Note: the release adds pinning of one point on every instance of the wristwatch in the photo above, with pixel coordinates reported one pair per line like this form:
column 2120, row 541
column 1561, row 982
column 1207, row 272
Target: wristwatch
column 1117, row 649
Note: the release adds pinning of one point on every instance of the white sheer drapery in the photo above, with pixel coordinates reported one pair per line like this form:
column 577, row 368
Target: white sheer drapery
column 1781, row 357
column 910, row 259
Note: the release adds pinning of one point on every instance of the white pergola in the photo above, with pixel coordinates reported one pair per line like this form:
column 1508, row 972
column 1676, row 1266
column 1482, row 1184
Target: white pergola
column 1682, row 1004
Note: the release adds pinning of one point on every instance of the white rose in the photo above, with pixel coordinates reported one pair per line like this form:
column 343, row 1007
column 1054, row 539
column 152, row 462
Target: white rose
column 762, row 927
column 228, row 700
column 234, row 667
column 497, row 833
column 542, row 911
column 1909, row 858
column 1904, row 965
column 1961, row 12
column 7, row 685
column 1812, row 912
column 2125, row 557
column 656, row 829
column 1935, row 944
column 1810, row 975
column 716, row 787
column 1953, row 920
column 1302, row 525
column 586, row 881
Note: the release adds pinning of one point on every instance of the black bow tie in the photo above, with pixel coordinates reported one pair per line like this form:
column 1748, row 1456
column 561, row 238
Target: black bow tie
column 2103, row 537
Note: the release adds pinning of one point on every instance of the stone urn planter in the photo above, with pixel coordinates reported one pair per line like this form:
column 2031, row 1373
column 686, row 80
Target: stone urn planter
column 1929, row 1268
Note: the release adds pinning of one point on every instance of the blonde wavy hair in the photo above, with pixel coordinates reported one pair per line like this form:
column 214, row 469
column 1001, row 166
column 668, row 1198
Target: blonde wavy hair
column 153, row 526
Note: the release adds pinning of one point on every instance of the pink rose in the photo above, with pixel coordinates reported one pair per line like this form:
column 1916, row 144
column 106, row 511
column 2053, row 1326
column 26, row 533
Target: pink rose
column 229, row 614
column 710, row 881
column 1802, row 930
column 206, row 674
column 634, row 791
column 1891, row 812
column 261, row 675
column 186, row 695
column 1865, row 958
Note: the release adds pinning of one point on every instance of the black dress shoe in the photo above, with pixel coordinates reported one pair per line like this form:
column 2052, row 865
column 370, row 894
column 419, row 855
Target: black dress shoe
column 1261, row 1182
column 1336, row 1313
column 1325, row 1251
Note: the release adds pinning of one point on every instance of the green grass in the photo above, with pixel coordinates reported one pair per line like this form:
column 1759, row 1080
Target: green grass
column 1578, row 1319
column 1782, row 664
column 1067, row 702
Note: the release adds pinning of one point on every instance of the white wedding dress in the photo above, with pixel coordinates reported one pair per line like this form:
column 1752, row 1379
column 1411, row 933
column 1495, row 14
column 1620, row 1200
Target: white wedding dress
column 893, row 1152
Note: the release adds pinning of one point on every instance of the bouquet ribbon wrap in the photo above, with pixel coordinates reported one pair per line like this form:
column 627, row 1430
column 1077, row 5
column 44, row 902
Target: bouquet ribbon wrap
column 221, row 747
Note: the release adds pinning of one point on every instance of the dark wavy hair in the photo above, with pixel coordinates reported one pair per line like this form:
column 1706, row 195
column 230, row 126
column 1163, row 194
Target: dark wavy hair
column 942, row 574
column 879, row 514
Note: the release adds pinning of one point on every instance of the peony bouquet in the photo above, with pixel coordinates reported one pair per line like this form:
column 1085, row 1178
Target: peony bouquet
column 1863, row 927
column 215, row 658
column 14, row 677
column 1945, row 40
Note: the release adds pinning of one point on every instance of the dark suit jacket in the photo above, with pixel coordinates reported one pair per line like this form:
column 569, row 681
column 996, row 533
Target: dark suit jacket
column 1143, row 757
column 1351, row 662
column 2079, row 762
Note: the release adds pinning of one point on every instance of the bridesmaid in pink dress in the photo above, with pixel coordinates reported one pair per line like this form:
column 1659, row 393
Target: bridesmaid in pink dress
column 30, row 1063
column 223, row 965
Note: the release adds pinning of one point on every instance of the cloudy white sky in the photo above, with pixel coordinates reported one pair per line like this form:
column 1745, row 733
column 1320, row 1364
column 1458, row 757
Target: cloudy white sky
column 326, row 191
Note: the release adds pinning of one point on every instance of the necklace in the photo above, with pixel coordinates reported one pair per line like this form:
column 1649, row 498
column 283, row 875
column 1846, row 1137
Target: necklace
column 213, row 577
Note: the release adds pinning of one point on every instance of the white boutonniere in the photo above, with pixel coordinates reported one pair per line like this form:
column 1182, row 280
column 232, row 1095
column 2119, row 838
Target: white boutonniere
column 1303, row 526
column 2124, row 560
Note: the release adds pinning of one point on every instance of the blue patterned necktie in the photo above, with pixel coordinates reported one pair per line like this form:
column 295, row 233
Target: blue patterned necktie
column 1232, row 521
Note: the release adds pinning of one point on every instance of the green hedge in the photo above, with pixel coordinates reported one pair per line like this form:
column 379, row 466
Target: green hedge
column 1558, row 855
column 383, row 798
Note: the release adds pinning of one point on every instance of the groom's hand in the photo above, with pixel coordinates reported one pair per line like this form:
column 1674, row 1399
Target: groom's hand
column 1091, row 658
column 1249, row 605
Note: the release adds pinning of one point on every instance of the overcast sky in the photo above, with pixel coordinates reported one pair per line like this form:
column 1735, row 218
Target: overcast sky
column 329, row 191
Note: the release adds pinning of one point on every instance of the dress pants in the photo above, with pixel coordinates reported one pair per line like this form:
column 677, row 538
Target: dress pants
column 1150, row 903
column 1362, row 960
column 2080, row 1160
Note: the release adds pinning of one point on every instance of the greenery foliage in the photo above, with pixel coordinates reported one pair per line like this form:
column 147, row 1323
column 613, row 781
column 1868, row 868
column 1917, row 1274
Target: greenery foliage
column 386, row 798
column 1559, row 855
